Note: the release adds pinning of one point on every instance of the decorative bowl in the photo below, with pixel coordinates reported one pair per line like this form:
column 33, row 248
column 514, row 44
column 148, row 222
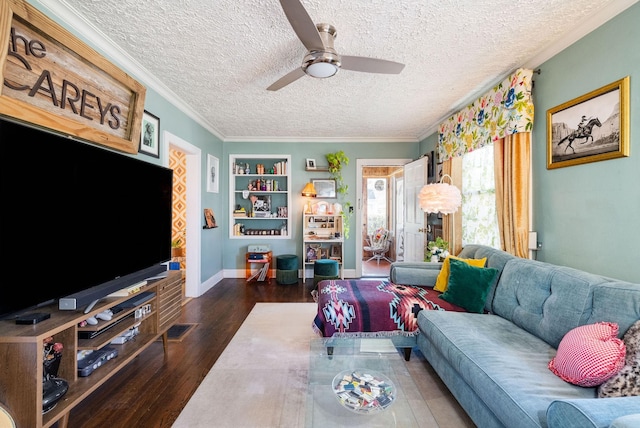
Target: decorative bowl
column 363, row 391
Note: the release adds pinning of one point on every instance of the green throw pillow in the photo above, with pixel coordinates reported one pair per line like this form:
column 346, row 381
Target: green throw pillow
column 468, row 285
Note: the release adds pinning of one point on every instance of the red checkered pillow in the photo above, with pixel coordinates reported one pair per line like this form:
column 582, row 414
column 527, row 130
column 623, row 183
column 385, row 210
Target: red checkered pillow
column 589, row 355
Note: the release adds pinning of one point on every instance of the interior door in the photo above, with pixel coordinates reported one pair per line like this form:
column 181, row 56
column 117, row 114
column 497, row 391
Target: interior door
column 415, row 224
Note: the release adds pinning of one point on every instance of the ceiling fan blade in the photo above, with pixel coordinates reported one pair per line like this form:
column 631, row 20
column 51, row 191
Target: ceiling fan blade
column 371, row 65
column 302, row 24
column 286, row 79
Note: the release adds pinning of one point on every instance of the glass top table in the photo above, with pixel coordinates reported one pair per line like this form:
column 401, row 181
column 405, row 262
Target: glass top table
column 333, row 356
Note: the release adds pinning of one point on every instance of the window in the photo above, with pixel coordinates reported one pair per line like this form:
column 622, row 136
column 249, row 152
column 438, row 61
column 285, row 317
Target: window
column 377, row 204
column 479, row 218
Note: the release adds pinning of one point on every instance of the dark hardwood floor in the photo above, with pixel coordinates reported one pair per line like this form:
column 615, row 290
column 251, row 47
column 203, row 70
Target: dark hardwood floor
column 152, row 390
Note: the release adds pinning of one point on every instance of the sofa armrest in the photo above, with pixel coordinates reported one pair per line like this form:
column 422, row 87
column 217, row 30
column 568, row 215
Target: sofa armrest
column 591, row 412
column 415, row 273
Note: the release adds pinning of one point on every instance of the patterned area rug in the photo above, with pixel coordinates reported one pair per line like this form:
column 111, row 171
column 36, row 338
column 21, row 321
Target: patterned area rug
column 260, row 379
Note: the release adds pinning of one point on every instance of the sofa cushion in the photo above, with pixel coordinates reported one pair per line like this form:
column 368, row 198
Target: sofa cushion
column 626, row 382
column 545, row 299
column 443, row 277
column 618, row 302
column 468, row 285
column 589, row 355
column 495, row 259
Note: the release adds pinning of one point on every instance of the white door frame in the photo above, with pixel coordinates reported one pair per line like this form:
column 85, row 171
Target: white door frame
column 360, row 163
column 193, row 157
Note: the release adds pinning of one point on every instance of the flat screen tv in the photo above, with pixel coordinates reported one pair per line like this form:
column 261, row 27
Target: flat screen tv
column 80, row 221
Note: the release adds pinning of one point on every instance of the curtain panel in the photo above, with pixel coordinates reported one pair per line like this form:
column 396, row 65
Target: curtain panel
column 505, row 110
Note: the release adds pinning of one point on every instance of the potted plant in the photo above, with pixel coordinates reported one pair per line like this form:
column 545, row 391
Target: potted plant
column 176, row 248
column 336, row 162
column 436, row 250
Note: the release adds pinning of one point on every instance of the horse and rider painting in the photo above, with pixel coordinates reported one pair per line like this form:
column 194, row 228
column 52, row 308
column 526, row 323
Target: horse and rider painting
column 589, row 128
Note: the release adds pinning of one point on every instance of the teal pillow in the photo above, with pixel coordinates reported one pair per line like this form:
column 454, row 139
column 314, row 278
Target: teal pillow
column 468, row 285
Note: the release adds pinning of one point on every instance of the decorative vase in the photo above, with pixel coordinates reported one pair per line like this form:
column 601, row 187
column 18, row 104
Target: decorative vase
column 435, row 259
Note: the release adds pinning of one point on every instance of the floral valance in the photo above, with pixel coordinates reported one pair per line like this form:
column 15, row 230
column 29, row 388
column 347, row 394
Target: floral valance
column 505, row 110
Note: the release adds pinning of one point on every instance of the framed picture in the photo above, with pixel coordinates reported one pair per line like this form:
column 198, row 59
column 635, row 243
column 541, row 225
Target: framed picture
column 150, row 135
column 590, row 128
column 336, row 251
column 311, row 164
column 209, row 219
column 325, row 188
column 213, row 176
column 311, row 253
column 261, row 205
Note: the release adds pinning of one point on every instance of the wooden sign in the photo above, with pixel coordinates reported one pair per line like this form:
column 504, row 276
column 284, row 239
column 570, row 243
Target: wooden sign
column 52, row 79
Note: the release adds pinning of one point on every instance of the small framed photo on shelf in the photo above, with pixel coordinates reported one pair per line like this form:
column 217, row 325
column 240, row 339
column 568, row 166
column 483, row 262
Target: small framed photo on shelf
column 336, row 251
column 325, row 188
column 209, row 219
column 261, row 203
column 311, row 164
column 150, row 135
column 311, row 254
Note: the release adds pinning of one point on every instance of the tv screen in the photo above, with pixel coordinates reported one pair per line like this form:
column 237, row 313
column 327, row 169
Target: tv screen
column 78, row 217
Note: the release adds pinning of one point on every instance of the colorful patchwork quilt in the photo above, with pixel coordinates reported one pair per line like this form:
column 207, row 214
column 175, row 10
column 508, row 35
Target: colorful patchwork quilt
column 373, row 308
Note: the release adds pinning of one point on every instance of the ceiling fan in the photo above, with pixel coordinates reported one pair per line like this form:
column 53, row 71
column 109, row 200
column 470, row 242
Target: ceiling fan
column 322, row 60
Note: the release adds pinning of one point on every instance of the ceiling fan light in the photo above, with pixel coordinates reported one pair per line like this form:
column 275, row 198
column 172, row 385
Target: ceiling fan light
column 321, row 69
column 321, row 64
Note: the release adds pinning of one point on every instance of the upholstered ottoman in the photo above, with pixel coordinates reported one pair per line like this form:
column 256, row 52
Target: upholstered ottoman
column 374, row 308
column 287, row 269
column 325, row 269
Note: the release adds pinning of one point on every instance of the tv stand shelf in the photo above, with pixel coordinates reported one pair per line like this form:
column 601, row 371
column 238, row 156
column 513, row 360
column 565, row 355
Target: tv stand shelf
column 21, row 350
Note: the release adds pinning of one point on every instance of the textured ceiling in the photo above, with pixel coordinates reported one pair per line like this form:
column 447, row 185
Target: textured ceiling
column 218, row 57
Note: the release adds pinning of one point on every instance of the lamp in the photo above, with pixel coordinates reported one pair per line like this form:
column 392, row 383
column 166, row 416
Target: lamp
column 441, row 198
column 310, row 192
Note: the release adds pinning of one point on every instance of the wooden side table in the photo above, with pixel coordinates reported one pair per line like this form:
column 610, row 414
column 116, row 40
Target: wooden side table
column 263, row 262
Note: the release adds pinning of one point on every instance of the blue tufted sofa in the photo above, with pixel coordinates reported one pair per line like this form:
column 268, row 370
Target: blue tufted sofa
column 495, row 364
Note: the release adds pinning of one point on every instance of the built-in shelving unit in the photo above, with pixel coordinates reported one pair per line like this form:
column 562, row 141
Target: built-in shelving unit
column 260, row 198
column 323, row 238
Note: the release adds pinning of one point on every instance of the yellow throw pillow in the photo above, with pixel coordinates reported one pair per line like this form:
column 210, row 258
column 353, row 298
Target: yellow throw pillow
column 443, row 277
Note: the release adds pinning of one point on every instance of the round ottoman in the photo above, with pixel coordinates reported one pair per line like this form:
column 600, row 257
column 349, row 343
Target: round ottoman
column 287, row 269
column 325, row 269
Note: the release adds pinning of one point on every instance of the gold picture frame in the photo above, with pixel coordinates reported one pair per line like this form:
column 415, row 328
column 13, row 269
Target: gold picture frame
column 590, row 128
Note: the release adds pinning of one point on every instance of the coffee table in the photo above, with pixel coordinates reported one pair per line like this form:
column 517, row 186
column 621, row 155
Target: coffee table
column 330, row 356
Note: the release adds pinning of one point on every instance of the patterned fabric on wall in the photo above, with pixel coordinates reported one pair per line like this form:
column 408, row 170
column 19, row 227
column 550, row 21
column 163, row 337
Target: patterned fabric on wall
column 178, row 163
column 505, row 110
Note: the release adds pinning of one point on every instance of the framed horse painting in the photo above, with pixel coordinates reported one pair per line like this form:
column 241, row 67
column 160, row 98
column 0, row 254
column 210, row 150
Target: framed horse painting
column 590, row 128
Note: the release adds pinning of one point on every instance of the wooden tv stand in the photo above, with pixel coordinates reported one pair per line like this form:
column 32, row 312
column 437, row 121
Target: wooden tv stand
column 21, row 350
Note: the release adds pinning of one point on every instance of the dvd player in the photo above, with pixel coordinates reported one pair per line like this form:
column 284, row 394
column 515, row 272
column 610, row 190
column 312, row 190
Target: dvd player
column 90, row 334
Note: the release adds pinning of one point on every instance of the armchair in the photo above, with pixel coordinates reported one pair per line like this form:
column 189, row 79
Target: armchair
column 379, row 244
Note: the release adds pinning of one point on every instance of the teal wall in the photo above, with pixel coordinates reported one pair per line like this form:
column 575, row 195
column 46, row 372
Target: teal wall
column 235, row 249
column 588, row 216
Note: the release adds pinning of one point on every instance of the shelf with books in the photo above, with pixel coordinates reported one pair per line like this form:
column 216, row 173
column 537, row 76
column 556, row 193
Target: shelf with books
column 259, row 188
